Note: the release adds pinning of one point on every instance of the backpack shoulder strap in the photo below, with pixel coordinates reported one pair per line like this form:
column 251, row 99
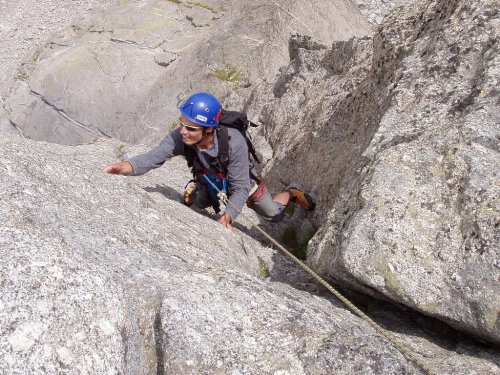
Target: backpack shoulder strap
column 251, row 149
column 189, row 154
column 223, row 140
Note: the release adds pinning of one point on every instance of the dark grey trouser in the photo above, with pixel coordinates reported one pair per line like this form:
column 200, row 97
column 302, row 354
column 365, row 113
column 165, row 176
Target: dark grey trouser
column 263, row 203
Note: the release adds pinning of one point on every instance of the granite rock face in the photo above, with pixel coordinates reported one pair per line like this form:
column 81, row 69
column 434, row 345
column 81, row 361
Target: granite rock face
column 107, row 274
column 396, row 135
column 374, row 11
column 27, row 24
column 124, row 71
column 406, row 140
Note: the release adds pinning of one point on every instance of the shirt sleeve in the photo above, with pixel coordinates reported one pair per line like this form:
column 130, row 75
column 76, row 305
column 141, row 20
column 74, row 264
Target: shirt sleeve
column 238, row 177
column 171, row 145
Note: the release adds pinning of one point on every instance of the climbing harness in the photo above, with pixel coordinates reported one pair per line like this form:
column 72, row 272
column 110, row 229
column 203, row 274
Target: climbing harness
column 215, row 192
column 405, row 351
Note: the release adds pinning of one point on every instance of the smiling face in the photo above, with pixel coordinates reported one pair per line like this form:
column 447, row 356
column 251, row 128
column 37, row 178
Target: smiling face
column 191, row 132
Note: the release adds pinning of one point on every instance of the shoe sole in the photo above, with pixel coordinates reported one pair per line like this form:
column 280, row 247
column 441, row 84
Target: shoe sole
column 309, row 199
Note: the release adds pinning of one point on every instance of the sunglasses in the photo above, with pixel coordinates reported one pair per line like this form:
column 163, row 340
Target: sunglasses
column 190, row 127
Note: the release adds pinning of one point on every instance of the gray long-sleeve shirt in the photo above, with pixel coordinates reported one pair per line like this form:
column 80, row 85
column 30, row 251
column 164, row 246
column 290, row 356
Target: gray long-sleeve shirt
column 238, row 179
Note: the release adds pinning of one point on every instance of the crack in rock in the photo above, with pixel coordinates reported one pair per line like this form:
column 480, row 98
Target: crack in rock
column 90, row 128
column 124, row 41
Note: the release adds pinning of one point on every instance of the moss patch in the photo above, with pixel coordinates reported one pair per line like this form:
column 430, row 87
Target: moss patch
column 295, row 246
column 201, row 6
column 21, row 75
column 228, row 74
column 290, row 209
column 264, row 272
column 174, row 126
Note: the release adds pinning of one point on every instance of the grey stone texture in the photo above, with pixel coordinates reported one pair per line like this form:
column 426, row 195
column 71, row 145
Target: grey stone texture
column 124, row 71
column 391, row 124
column 27, row 24
column 110, row 274
column 404, row 129
column 375, row 11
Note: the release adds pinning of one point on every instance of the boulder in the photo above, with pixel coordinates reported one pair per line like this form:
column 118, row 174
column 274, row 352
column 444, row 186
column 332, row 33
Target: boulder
column 110, row 274
column 404, row 128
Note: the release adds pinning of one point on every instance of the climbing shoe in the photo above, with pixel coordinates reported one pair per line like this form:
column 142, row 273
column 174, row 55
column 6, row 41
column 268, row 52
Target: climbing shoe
column 304, row 200
column 188, row 198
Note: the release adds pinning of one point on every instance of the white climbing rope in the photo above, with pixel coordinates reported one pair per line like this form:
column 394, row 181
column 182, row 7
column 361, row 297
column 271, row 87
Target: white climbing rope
column 405, row 351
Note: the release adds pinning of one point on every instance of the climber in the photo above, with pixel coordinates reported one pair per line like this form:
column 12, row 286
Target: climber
column 199, row 120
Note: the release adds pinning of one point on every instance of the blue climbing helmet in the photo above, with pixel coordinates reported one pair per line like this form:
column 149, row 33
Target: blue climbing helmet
column 202, row 108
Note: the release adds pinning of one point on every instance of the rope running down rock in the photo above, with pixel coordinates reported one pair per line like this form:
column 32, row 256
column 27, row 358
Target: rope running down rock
column 405, row 351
